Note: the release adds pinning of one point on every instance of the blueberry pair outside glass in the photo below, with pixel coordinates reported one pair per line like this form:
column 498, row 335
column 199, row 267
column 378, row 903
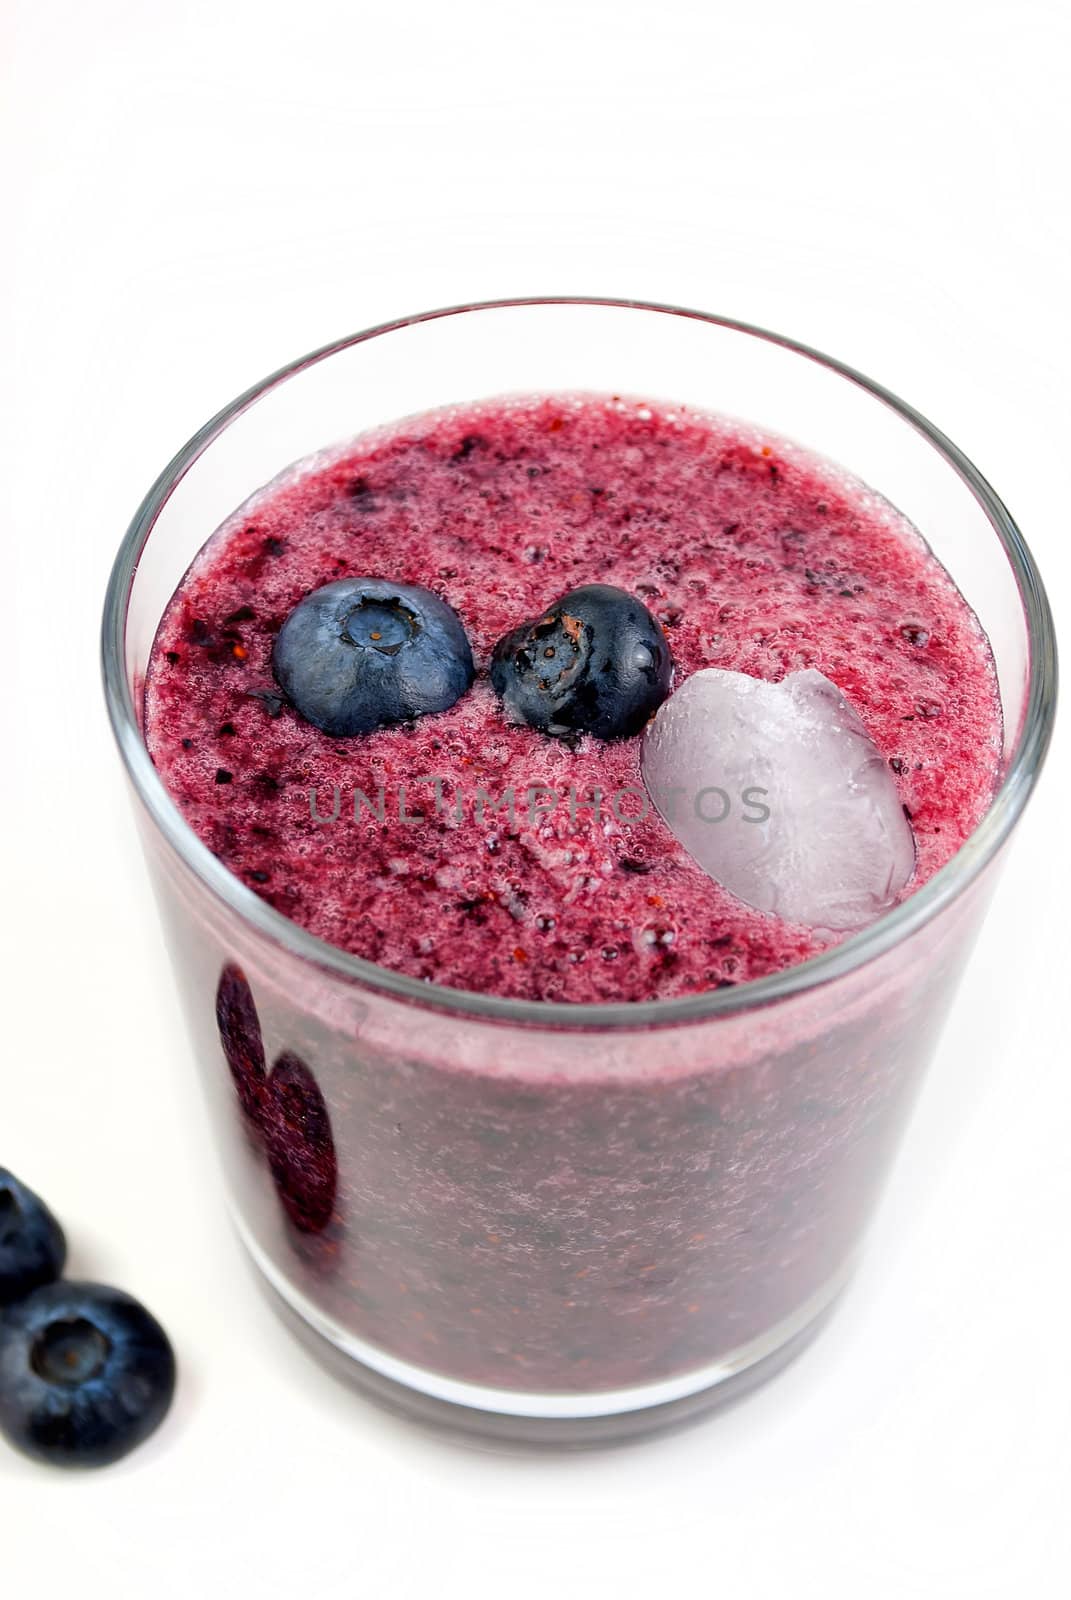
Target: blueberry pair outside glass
column 534, row 1219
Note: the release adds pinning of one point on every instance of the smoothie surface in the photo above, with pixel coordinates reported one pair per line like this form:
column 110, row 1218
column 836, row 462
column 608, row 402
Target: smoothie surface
column 755, row 556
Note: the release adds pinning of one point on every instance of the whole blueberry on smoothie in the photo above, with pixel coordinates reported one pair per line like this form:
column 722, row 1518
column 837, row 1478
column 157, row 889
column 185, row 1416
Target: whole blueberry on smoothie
column 365, row 652
column 595, row 662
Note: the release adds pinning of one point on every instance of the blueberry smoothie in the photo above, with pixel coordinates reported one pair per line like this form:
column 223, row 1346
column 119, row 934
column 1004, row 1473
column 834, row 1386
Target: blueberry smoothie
column 750, row 555
column 531, row 579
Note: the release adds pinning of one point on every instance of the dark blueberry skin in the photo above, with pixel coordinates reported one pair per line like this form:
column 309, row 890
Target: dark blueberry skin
column 301, row 1147
column 595, row 662
column 32, row 1246
column 285, row 1109
column 239, row 1034
column 85, row 1374
column 365, row 652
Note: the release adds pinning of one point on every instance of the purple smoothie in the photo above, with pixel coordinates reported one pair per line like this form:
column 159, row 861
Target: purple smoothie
column 516, row 1207
column 753, row 555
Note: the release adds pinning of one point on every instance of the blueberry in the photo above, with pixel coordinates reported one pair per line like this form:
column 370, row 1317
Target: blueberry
column 364, row 652
column 595, row 662
column 285, row 1108
column 239, row 1034
column 85, row 1374
column 301, row 1147
column 32, row 1246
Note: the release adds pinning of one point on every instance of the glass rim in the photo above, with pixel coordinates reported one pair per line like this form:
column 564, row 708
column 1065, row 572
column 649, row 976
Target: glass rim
column 893, row 927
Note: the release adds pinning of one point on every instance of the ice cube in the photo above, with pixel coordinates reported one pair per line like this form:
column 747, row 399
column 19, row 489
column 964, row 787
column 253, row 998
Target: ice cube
column 778, row 792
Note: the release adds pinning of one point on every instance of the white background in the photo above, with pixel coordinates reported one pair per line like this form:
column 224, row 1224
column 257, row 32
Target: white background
column 195, row 191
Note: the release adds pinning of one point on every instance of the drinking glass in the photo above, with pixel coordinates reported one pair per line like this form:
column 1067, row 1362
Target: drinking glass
column 548, row 1221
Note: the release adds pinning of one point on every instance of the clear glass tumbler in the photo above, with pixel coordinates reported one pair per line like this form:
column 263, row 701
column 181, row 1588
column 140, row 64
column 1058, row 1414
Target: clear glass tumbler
column 540, row 1220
